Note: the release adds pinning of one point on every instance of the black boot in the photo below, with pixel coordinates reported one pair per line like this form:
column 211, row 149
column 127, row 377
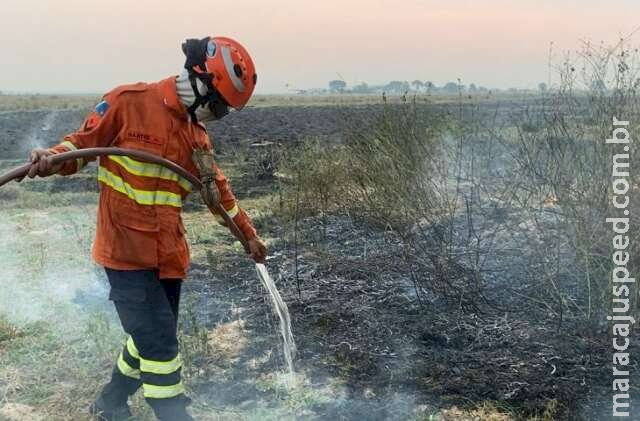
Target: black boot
column 104, row 412
column 174, row 409
column 174, row 414
column 111, row 404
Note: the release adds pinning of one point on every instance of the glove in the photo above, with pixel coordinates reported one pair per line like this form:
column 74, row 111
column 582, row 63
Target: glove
column 258, row 250
column 41, row 165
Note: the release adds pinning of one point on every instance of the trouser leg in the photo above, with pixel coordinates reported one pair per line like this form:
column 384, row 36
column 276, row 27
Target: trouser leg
column 148, row 309
column 172, row 288
column 125, row 381
column 125, row 377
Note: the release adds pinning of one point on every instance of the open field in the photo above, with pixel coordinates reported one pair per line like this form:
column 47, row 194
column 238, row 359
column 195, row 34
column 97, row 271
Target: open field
column 85, row 101
column 376, row 341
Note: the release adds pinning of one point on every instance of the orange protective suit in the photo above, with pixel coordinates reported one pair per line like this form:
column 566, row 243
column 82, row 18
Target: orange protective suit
column 139, row 224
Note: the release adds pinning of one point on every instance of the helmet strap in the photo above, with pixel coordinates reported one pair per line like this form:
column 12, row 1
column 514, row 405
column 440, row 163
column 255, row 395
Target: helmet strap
column 195, row 50
column 216, row 103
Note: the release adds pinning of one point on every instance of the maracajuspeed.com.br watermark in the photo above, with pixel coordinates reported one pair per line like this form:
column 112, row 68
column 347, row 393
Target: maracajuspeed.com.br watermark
column 622, row 281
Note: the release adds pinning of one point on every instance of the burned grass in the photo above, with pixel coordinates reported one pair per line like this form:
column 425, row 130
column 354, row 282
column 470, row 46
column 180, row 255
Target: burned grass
column 375, row 349
column 366, row 327
column 375, row 342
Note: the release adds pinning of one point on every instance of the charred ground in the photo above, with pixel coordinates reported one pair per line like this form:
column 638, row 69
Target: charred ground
column 373, row 344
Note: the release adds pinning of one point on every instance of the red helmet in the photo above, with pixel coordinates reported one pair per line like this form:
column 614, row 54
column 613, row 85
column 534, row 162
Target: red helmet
column 228, row 66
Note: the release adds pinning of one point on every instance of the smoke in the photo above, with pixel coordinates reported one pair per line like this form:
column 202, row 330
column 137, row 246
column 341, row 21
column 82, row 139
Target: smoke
column 47, row 274
column 38, row 135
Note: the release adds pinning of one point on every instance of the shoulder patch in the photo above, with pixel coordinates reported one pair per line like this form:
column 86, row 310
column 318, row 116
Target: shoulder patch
column 102, row 108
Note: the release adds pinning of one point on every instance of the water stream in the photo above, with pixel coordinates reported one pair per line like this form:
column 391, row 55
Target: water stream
column 280, row 308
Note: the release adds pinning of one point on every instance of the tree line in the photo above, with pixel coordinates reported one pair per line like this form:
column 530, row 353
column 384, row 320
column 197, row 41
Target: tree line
column 418, row 86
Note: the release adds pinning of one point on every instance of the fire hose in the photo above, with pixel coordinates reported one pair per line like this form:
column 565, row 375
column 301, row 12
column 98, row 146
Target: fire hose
column 280, row 307
column 88, row 153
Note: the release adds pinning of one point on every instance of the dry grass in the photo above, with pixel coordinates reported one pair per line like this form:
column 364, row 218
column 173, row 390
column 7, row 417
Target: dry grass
column 7, row 331
column 48, row 377
column 489, row 411
column 20, row 412
column 484, row 412
column 228, row 340
column 87, row 101
column 40, row 102
column 355, row 99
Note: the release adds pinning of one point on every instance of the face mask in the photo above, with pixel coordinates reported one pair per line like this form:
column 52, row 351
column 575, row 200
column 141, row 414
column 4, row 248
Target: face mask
column 204, row 112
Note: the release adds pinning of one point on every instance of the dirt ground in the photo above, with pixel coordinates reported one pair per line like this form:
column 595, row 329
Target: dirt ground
column 371, row 346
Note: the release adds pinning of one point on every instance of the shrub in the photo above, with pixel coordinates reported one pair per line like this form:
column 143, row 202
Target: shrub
column 314, row 177
column 392, row 163
column 392, row 172
column 568, row 160
column 383, row 172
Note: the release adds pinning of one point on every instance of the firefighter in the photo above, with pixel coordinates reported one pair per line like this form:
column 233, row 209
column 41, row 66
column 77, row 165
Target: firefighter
column 140, row 238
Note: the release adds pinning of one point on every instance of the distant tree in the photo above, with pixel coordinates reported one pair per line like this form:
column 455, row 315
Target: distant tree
column 429, row 86
column 473, row 88
column 417, row 85
column 337, row 86
column 542, row 87
column 362, row 88
column 450, row 88
column 397, row 86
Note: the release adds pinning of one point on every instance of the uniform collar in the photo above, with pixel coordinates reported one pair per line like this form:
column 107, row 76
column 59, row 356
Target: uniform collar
column 171, row 100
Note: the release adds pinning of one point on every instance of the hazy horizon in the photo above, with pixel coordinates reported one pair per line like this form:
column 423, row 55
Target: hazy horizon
column 74, row 46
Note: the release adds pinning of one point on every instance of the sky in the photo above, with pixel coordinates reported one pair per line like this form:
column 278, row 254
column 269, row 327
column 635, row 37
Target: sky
column 94, row 45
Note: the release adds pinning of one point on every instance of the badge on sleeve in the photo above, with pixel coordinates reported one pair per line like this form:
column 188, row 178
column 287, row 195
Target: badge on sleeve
column 102, row 108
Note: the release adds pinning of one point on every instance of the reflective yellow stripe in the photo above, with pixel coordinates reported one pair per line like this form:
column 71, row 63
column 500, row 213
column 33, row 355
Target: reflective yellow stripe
column 69, row 145
column 162, row 392
column 80, row 162
column 161, row 367
column 126, row 369
column 233, row 211
column 143, row 197
column 143, row 169
column 131, row 347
